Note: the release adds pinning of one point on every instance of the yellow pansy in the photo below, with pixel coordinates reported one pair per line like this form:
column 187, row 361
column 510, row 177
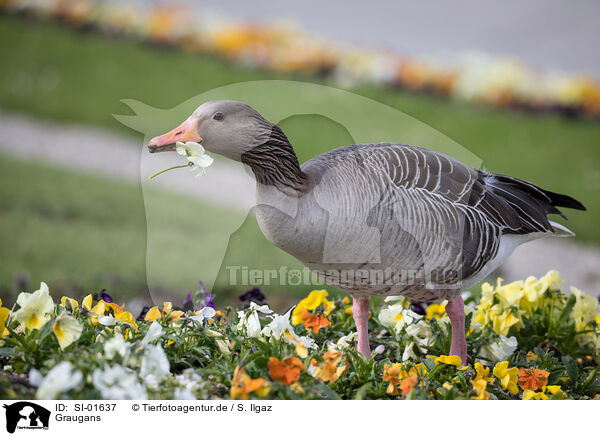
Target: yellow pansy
column 436, row 311
column 98, row 309
column 542, row 395
column 531, row 356
column 69, row 302
column 585, row 309
column 66, row 329
column 598, row 319
column 448, row 360
column 508, row 376
column 127, row 318
column 511, row 293
column 4, row 313
column 533, row 291
column 314, row 300
column 35, row 308
column 480, row 388
column 483, row 372
column 154, row 313
column 551, row 280
column 504, row 321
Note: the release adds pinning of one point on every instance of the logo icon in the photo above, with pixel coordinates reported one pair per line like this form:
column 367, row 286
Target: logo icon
column 26, row 415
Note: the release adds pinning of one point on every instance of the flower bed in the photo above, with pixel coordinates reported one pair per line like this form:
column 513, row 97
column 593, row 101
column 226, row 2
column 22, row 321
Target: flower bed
column 527, row 340
column 286, row 48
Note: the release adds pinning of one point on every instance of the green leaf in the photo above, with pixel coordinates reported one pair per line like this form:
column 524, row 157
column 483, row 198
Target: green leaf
column 566, row 312
column 8, row 351
column 571, row 367
column 360, row 393
column 327, row 392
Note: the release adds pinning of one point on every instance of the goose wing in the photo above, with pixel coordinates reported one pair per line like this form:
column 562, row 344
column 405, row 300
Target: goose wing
column 433, row 212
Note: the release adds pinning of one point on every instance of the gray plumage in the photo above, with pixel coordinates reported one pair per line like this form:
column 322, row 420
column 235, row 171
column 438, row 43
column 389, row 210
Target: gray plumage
column 378, row 218
column 438, row 222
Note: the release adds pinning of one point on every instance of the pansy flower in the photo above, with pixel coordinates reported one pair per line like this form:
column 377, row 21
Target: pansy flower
column 532, row 378
column 313, row 321
column 310, row 303
column 332, row 367
column 66, row 329
column 4, row 313
column 508, row 376
column 35, row 308
column 286, row 371
column 242, row 385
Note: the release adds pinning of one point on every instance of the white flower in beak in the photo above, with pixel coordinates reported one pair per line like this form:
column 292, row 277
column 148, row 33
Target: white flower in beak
column 196, row 155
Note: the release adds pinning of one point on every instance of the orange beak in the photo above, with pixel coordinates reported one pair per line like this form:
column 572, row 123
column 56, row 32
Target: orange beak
column 187, row 131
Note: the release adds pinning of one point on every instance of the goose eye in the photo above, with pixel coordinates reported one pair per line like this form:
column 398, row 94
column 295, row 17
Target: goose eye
column 218, row 116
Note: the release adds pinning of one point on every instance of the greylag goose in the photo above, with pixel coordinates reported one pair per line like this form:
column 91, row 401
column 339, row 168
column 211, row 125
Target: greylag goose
column 378, row 219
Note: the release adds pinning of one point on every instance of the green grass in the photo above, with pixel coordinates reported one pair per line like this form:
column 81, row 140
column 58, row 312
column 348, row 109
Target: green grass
column 62, row 226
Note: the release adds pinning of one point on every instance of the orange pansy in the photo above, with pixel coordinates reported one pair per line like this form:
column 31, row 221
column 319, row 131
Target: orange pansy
column 330, row 370
column 286, row 371
column 408, row 384
column 532, row 378
column 242, row 385
column 316, row 321
column 393, row 374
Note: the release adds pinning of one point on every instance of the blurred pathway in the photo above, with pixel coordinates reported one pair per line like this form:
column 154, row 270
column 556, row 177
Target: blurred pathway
column 94, row 150
column 105, row 153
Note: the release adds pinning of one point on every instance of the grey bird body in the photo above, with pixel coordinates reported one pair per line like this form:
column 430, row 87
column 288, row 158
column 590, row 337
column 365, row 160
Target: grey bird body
column 388, row 219
column 377, row 219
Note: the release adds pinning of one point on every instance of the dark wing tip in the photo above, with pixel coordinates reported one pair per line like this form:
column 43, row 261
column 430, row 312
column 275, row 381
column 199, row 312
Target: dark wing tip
column 562, row 200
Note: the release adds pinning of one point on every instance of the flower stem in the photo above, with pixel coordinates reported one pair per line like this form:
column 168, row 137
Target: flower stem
column 171, row 168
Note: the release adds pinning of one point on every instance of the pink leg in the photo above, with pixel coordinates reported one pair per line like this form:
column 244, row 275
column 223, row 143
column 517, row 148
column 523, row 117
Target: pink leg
column 456, row 312
column 360, row 311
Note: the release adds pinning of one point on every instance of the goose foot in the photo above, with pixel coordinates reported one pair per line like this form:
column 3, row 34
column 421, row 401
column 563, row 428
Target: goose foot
column 456, row 312
column 360, row 312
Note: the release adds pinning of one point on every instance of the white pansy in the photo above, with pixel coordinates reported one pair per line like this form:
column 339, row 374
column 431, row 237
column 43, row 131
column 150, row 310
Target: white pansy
column 155, row 364
column 409, row 352
column 155, row 331
column 35, row 308
column 196, row 155
column 421, row 333
column 397, row 317
column 498, row 351
column 61, row 378
column 379, row 349
column 116, row 346
column 249, row 319
column 279, row 326
column 107, row 320
column 203, row 314
column 262, row 309
column 345, row 341
column 118, row 383
column 294, row 339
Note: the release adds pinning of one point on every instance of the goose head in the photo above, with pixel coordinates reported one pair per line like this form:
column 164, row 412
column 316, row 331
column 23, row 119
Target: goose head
column 226, row 127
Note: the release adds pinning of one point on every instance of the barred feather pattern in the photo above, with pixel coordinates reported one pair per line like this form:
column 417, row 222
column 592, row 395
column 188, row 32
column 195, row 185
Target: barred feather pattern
column 438, row 221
